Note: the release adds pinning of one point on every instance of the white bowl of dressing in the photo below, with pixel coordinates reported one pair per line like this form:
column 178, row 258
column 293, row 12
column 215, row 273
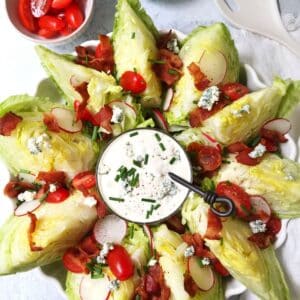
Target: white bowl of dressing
column 132, row 175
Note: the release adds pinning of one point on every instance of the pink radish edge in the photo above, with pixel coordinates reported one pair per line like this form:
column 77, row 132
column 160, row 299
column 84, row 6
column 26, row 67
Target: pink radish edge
column 168, row 99
column 159, row 118
column 125, row 103
column 22, row 211
column 259, row 202
column 280, row 125
column 213, row 141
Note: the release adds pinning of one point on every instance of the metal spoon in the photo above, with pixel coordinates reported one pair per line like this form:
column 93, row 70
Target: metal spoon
column 209, row 197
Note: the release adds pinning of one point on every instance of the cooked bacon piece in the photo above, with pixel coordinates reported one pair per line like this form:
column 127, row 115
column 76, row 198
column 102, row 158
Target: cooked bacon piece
column 51, row 122
column 262, row 239
column 274, row 225
column 214, row 226
column 237, row 147
column 196, row 241
column 244, row 158
column 271, row 146
column 190, row 285
column 153, row 286
column 220, row 268
column 52, row 177
column 89, row 246
column 164, row 39
column 101, row 59
column 200, row 79
column 83, row 91
column 8, row 123
column 103, row 117
column 14, row 188
column 174, row 223
column 273, row 136
column 199, row 115
column 169, row 68
column 31, row 230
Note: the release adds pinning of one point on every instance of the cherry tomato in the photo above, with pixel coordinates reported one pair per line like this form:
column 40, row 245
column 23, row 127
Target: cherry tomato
column 85, row 180
column 52, row 177
column 89, row 245
column 60, row 195
column 234, row 91
column 239, row 197
column 51, row 23
column 60, row 4
column 26, row 17
column 66, row 31
column 14, row 188
column 40, row 7
column 120, row 263
column 237, row 147
column 209, row 158
column 48, row 34
column 244, row 158
column 8, row 123
column 75, row 260
column 74, row 16
column 133, row 82
column 274, row 225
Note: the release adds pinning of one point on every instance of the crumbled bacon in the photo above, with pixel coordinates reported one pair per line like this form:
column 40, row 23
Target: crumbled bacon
column 190, row 285
column 164, row 39
column 152, row 286
column 214, row 226
column 8, row 123
column 196, row 241
column 174, row 223
column 200, row 79
column 273, row 136
column 31, row 230
column 103, row 118
column 262, row 239
column 14, row 188
column 52, row 177
column 51, row 122
column 218, row 267
column 169, row 68
column 101, row 59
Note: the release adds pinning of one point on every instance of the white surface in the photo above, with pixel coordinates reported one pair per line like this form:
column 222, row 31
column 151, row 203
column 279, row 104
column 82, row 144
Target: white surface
column 20, row 71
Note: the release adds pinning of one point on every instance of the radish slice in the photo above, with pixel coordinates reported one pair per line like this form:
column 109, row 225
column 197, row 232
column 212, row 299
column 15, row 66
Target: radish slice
column 261, row 207
column 110, row 229
column 214, row 66
column 27, row 177
column 160, row 120
column 177, row 128
column 280, row 125
column 204, row 277
column 212, row 142
column 75, row 81
column 127, row 108
column 94, row 289
column 65, row 120
column 27, row 207
column 168, row 99
column 149, row 234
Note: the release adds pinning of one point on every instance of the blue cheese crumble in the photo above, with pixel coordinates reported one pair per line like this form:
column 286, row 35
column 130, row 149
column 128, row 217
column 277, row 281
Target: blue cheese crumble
column 246, row 109
column 90, row 201
column 101, row 258
column 52, row 188
column 189, row 251
column 152, row 262
column 258, row 151
column 114, row 285
column 173, row 46
column 26, row 196
column 258, row 226
column 36, row 145
column 209, row 97
column 118, row 115
column 205, row 261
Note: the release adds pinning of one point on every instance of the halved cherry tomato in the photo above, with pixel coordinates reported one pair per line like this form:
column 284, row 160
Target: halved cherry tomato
column 84, row 180
column 239, row 197
column 60, row 195
column 40, row 7
column 133, row 82
column 75, row 260
column 120, row 263
column 244, row 158
column 220, row 268
column 237, row 147
column 8, row 123
column 26, row 17
column 274, row 225
column 60, row 4
column 209, row 158
column 89, row 245
column 52, row 177
column 48, row 34
column 14, row 188
column 234, row 91
column 74, row 16
column 51, row 23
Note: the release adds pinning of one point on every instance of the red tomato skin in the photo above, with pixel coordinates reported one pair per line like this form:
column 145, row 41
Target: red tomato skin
column 209, row 158
column 244, row 158
column 25, row 15
column 239, row 197
column 75, row 260
column 237, row 147
column 86, row 180
column 60, row 195
column 234, row 91
column 40, row 8
column 271, row 146
column 89, row 245
column 133, row 82
column 52, row 177
column 45, row 33
column 274, row 225
column 120, row 263
column 74, row 16
column 51, row 23
column 60, row 4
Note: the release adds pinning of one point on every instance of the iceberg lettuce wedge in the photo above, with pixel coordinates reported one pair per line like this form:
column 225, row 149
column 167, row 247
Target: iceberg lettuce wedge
column 212, row 39
column 259, row 270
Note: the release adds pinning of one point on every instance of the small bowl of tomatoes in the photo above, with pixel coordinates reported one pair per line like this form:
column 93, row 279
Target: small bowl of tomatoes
column 50, row 21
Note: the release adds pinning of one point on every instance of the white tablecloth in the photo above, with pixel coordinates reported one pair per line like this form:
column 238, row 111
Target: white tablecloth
column 20, row 72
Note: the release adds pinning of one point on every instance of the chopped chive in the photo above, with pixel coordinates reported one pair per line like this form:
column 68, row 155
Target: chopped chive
column 162, row 146
column 148, row 214
column 173, row 72
column 116, row 199
column 133, row 35
column 135, row 180
column 131, row 232
column 134, row 70
column 158, row 137
column 137, row 163
column 146, row 159
column 133, row 134
column 158, row 62
column 121, row 168
column 131, row 171
column 173, row 159
column 156, row 207
column 221, row 241
column 148, row 200
column 95, row 132
column 117, row 178
column 24, row 171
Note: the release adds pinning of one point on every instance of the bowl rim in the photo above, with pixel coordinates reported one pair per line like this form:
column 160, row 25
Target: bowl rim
column 34, row 37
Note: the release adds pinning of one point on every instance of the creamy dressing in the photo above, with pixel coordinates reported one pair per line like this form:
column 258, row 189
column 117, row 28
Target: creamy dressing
column 133, row 175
